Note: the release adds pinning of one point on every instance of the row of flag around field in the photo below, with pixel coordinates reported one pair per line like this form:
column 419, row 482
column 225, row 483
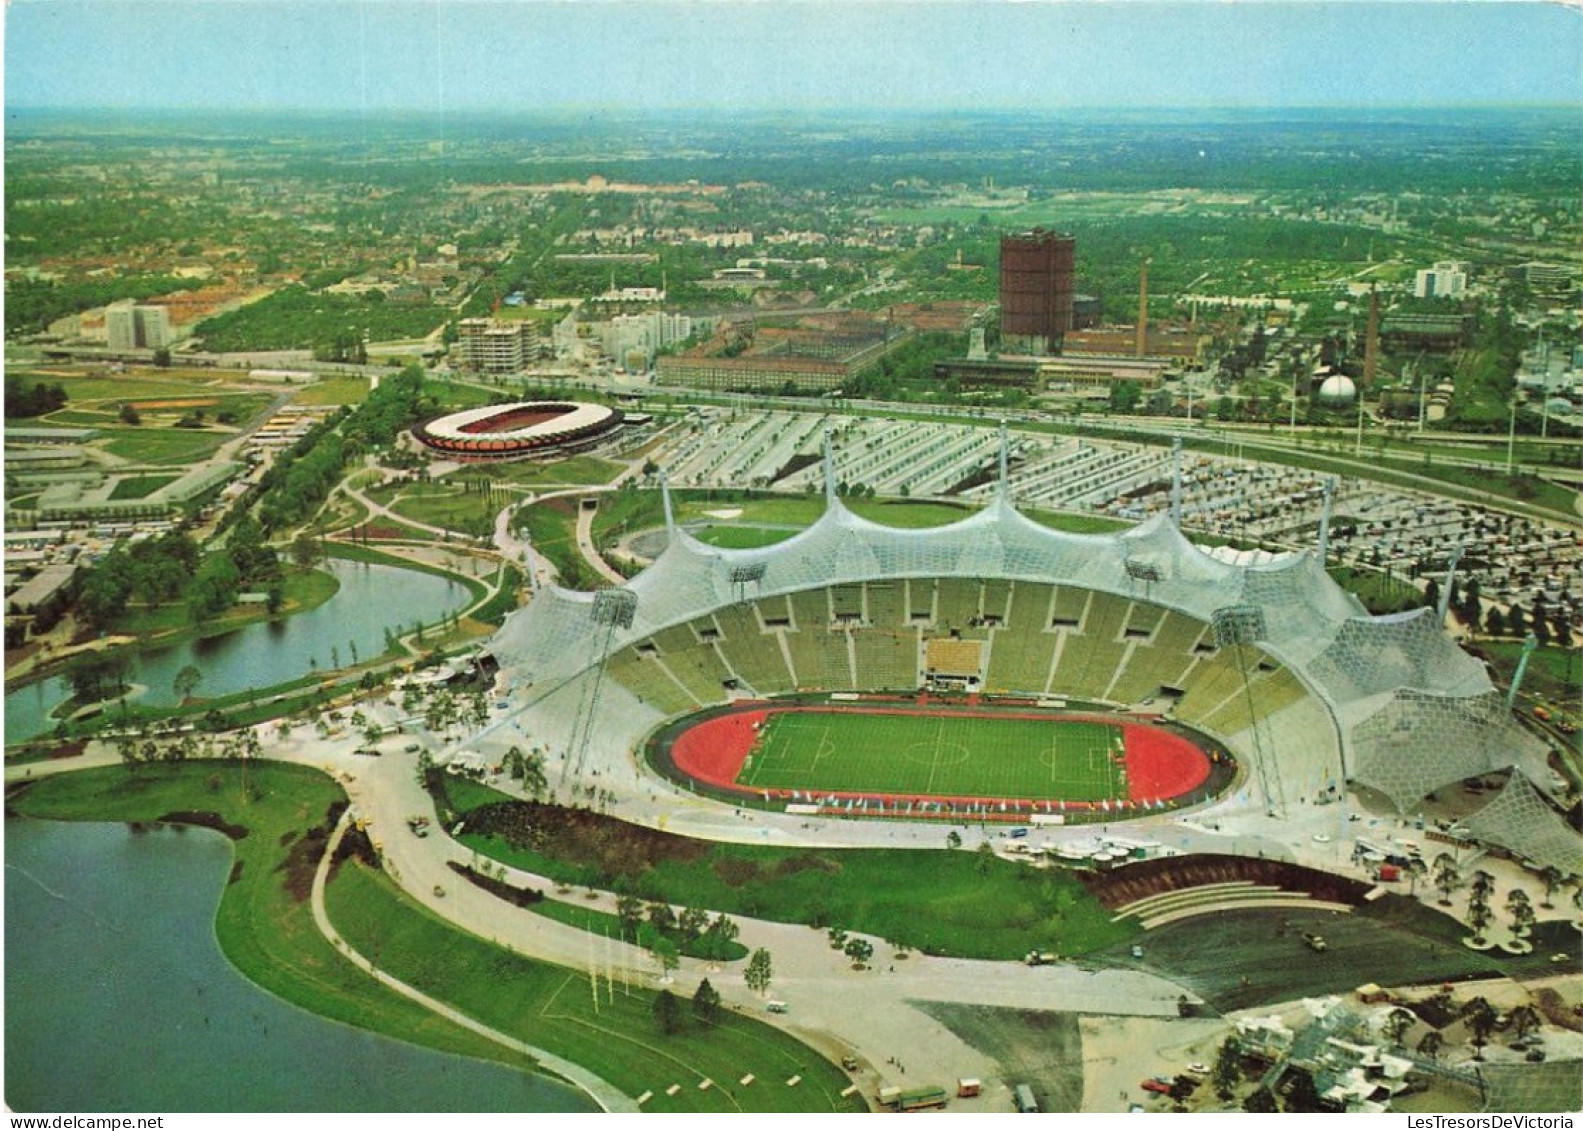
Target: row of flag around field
column 1009, row 809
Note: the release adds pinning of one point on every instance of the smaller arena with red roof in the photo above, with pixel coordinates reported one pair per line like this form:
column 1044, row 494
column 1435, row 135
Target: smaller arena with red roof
column 523, row 430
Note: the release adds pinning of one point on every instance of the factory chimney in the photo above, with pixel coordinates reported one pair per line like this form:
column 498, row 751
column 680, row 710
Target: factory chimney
column 1141, row 346
column 1371, row 343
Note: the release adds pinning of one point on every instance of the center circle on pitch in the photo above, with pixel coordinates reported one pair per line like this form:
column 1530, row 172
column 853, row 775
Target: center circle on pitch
column 936, row 754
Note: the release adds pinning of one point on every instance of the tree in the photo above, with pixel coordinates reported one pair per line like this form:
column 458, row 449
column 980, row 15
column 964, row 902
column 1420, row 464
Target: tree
column 1125, row 396
column 629, row 910
column 1430, row 1044
column 1479, row 915
column 101, row 675
column 953, row 839
column 307, row 551
column 691, row 922
column 1397, row 1022
column 662, row 918
column 1551, row 877
column 129, row 414
column 706, row 1002
column 666, row 955
column 1525, row 1019
column 718, row 938
column 859, row 950
column 1447, row 877
column 1480, row 1018
column 186, row 682
column 215, row 587
column 759, row 971
column 1227, row 1071
column 985, row 858
column 126, row 746
column 667, row 1013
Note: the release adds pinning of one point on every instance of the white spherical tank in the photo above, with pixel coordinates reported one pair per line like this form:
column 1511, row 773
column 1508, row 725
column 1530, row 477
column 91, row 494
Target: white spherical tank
column 1337, row 391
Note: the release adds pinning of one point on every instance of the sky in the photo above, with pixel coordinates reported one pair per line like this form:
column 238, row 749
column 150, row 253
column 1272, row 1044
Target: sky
column 453, row 56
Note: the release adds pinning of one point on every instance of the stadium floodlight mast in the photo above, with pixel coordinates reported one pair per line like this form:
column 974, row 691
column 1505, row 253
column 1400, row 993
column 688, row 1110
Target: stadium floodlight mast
column 1444, row 605
column 1530, row 642
column 615, row 607
column 1324, row 519
column 741, row 576
column 612, row 609
column 1176, row 482
column 1236, row 626
column 1146, row 572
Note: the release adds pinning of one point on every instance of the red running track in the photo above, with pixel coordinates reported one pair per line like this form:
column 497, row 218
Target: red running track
column 1160, row 765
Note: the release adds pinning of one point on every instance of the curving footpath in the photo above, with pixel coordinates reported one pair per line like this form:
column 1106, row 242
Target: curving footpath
column 603, row 1093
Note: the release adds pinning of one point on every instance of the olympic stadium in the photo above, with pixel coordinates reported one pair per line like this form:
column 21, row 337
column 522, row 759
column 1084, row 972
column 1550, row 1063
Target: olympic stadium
column 520, row 430
column 1266, row 661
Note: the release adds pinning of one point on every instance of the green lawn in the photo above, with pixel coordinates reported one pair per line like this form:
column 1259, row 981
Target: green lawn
column 448, row 505
column 734, row 537
column 334, row 391
column 305, row 589
column 575, row 471
column 804, row 510
column 1379, row 593
column 553, row 1008
column 136, row 386
column 264, row 928
column 764, row 519
column 141, row 487
column 937, row 754
column 552, row 528
column 163, row 445
column 942, row 902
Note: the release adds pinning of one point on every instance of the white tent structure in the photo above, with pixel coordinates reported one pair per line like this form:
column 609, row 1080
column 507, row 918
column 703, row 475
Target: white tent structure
column 1391, row 702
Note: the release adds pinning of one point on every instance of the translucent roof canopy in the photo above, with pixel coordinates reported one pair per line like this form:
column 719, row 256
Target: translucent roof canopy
column 1419, row 712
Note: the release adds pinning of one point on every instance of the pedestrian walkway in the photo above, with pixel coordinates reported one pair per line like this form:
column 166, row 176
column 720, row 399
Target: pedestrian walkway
column 603, row 1093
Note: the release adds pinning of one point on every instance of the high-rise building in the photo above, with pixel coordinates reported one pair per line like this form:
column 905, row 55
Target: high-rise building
column 626, row 336
column 129, row 325
column 1443, row 280
column 1036, row 272
column 120, row 325
column 153, row 326
column 491, row 346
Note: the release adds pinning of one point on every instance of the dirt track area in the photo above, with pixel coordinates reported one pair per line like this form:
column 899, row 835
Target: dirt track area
column 1242, row 959
column 1041, row 1049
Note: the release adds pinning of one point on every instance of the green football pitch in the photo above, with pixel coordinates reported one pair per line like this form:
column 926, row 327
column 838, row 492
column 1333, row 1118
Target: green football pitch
column 940, row 755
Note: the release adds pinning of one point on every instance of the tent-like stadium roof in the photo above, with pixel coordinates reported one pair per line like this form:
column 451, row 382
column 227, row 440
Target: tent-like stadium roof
column 1412, row 711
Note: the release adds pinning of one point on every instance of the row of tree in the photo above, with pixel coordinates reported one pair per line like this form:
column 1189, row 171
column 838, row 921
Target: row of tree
column 23, row 401
column 172, row 568
column 297, row 318
column 137, row 749
column 655, row 925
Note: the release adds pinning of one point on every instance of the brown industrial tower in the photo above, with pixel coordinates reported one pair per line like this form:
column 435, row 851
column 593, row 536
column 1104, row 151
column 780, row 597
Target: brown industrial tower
column 1371, row 341
column 1036, row 270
